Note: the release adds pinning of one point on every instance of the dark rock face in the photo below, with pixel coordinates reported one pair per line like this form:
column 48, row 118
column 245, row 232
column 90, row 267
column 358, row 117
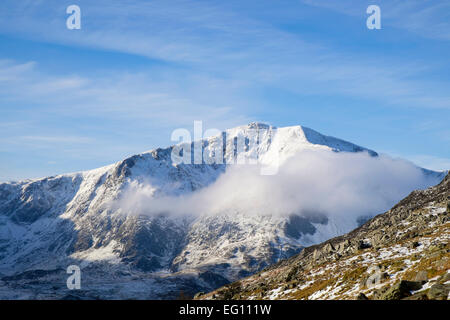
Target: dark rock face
column 38, row 198
column 84, row 241
column 32, row 274
column 150, row 243
column 363, row 245
column 145, row 264
column 299, row 225
column 213, row 279
column 362, row 296
column 123, row 170
column 9, row 197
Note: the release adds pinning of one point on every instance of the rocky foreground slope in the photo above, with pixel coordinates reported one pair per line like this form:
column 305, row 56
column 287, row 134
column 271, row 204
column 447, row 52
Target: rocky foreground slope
column 401, row 254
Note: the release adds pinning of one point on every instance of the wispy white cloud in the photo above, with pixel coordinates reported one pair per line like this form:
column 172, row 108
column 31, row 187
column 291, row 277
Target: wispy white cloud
column 56, row 139
column 11, row 71
column 214, row 39
column 55, row 142
column 159, row 98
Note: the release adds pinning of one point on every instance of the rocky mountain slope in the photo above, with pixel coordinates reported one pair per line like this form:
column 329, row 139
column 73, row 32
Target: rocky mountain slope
column 132, row 252
column 401, row 254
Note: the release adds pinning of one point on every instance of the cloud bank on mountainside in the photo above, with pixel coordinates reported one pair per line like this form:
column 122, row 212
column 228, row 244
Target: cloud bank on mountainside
column 339, row 184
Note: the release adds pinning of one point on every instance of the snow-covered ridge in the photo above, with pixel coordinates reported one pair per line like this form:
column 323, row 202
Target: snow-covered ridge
column 290, row 139
column 267, row 142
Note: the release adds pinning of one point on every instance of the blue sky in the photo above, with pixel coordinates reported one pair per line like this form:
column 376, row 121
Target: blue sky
column 74, row 100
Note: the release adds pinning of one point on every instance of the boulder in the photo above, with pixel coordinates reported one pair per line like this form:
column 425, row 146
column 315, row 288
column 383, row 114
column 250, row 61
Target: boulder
column 401, row 290
column 421, row 276
column 444, row 278
column 342, row 246
column 198, row 295
column 363, row 245
column 438, row 292
column 328, row 248
column 361, row 296
column 414, row 245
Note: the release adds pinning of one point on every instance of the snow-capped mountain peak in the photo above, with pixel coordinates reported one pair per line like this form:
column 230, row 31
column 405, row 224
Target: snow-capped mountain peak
column 47, row 224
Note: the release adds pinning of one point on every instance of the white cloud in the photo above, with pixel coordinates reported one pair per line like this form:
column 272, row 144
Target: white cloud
column 56, row 139
column 214, row 39
column 336, row 184
column 161, row 97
